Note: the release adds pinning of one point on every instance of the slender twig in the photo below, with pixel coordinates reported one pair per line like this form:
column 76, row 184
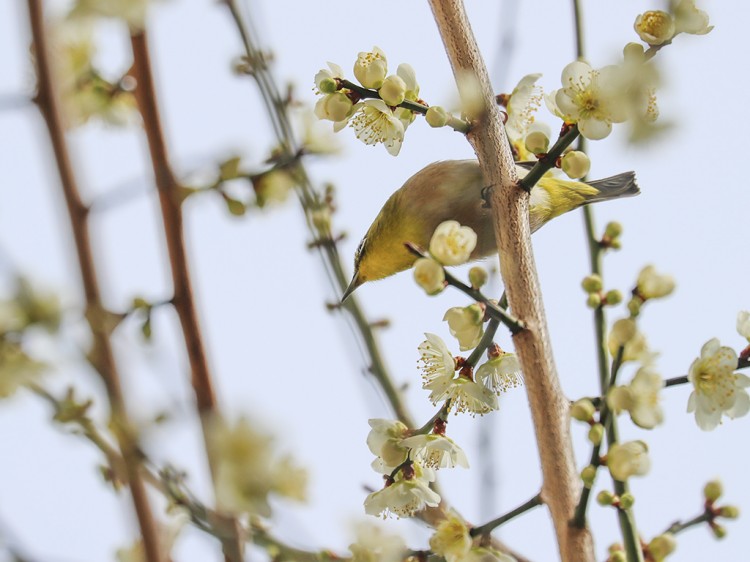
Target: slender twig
column 440, row 414
column 101, row 355
column 679, row 526
column 510, row 212
column 183, row 301
column 310, row 201
column 547, row 162
column 492, row 310
column 454, row 123
column 484, row 343
column 490, row 526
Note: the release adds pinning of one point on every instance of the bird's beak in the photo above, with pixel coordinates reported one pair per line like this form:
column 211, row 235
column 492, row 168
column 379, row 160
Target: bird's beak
column 356, row 282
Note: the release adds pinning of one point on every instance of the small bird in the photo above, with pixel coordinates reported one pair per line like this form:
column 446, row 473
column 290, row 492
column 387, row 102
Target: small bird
column 452, row 190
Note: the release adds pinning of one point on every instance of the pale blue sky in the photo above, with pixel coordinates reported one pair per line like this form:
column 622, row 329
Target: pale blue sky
column 276, row 352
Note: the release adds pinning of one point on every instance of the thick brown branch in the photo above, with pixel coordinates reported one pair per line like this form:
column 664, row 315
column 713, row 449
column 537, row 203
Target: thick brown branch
column 102, row 357
column 171, row 210
column 510, row 206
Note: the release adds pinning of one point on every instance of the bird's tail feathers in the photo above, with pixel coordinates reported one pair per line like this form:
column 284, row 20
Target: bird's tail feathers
column 621, row 185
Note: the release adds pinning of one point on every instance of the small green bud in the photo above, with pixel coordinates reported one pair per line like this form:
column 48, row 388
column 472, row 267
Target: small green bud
column 618, row 556
column 662, row 546
column 327, row 86
column 393, row 90
column 713, row 490
column 235, row 207
column 596, row 432
column 719, row 531
column 139, row 302
column 729, row 512
column 582, row 410
column 575, row 164
column 588, row 475
column 615, row 244
column 321, row 219
column 634, row 306
column 594, row 300
column 478, row 277
column 613, row 297
column 436, row 116
column 627, row 500
column 592, row 283
column 613, row 229
column 230, row 169
column 605, row 497
column 537, row 142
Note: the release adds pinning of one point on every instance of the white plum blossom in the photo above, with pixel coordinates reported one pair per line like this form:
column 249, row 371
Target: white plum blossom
column 640, row 398
column 655, row 27
column 438, row 375
column 373, row 544
column 589, row 98
column 466, row 325
column 500, row 373
column 429, row 275
column 451, row 539
column 452, row 244
column 522, row 103
column 653, row 285
column 385, row 440
column 375, row 123
column 436, row 451
column 689, row 19
column 717, row 389
column 409, row 76
column 628, row 459
column 325, row 79
column 743, row 324
column 371, row 68
column 404, row 496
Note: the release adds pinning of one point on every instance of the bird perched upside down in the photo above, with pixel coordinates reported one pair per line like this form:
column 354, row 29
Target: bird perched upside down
column 452, row 190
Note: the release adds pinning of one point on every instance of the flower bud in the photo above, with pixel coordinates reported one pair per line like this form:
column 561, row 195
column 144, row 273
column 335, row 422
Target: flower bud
column 465, row 324
column 605, row 497
column 662, row 546
column 713, row 490
column 594, row 300
column 452, row 244
column 592, row 283
column 618, row 556
column 652, row 285
column 582, row 410
column 334, row 107
column 633, row 52
column 613, row 297
column 634, row 306
column 613, row 229
column 596, row 433
column 627, row 500
column 371, row 68
column 619, row 399
column 655, row 27
column 437, row 116
column 588, row 474
column 429, row 275
column 719, row 531
column 321, row 219
column 537, row 142
column 576, row 164
column 628, row 459
column 729, row 512
column 477, row 277
column 393, row 90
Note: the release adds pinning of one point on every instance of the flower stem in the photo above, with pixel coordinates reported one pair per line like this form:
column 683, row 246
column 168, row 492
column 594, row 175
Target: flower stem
column 490, row 526
column 484, row 343
column 310, row 201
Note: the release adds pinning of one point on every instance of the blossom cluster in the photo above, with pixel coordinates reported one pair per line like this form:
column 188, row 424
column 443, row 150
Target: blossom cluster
column 380, row 119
